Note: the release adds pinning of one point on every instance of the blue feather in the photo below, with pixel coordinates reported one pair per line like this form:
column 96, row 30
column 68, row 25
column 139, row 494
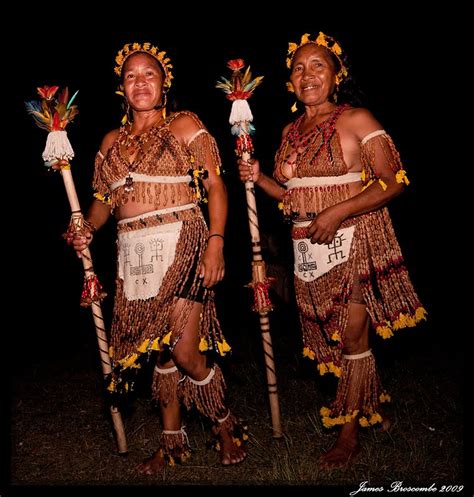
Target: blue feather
column 33, row 106
column 72, row 99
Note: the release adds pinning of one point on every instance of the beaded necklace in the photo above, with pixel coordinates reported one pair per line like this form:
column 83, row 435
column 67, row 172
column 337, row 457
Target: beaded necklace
column 301, row 143
column 134, row 147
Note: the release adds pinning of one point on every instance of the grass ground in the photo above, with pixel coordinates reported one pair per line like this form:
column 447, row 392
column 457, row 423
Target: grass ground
column 60, row 434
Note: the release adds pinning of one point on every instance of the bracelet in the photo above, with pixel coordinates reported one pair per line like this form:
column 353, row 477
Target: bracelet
column 215, row 234
column 88, row 225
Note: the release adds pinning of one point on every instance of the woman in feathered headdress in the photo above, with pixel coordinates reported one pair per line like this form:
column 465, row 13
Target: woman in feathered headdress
column 151, row 174
column 335, row 171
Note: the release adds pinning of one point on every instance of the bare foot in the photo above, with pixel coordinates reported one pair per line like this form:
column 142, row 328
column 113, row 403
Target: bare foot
column 341, row 454
column 153, row 464
column 230, row 449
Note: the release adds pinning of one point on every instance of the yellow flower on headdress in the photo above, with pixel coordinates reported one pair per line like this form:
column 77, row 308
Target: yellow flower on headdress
column 292, row 47
column 304, row 39
column 129, row 49
column 336, row 48
column 321, row 40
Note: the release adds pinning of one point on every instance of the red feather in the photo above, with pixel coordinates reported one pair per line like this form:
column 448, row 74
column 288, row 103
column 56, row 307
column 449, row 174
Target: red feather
column 56, row 122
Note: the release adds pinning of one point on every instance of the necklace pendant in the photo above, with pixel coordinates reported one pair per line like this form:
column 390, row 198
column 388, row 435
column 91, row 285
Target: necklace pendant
column 129, row 183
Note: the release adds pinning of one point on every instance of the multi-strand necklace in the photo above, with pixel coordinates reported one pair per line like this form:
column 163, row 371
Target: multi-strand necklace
column 133, row 145
column 307, row 146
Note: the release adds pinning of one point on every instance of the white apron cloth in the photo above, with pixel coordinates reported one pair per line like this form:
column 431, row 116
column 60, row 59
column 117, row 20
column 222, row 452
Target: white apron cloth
column 144, row 256
column 314, row 260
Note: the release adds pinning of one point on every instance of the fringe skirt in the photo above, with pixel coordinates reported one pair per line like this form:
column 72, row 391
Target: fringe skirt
column 365, row 250
column 158, row 256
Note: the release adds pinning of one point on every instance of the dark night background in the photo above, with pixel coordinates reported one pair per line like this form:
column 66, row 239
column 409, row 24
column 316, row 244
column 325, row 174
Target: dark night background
column 384, row 60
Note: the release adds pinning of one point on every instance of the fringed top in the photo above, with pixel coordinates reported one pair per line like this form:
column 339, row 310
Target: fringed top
column 318, row 153
column 161, row 154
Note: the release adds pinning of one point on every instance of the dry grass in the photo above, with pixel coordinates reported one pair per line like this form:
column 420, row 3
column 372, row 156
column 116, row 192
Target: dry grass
column 61, row 435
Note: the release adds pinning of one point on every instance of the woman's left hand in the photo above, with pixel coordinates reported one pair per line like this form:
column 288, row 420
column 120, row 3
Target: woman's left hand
column 324, row 227
column 212, row 268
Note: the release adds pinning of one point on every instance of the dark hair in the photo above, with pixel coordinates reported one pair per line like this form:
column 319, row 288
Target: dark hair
column 348, row 91
column 150, row 57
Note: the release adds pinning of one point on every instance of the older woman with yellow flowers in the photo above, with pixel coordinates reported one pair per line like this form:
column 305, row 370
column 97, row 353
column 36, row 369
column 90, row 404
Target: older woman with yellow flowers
column 335, row 171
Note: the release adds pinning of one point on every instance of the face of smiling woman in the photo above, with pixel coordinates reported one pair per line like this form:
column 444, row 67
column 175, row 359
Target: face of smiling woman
column 313, row 74
column 142, row 79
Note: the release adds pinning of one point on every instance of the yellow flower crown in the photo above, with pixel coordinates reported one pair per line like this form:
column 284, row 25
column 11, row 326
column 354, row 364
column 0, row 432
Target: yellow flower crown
column 322, row 41
column 131, row 48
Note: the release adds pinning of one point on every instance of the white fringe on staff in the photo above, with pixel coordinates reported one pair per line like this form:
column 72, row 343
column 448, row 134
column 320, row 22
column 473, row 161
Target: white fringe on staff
column 240, row 112
column 57, row 147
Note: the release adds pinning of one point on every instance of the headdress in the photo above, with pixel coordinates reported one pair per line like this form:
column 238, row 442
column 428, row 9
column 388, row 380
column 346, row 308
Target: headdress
column 131, row 48
column 322, row 40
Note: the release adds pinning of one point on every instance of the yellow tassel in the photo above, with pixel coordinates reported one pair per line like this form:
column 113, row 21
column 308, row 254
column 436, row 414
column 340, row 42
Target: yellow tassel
column 203, row 346
column 166, row 339
column 307, row 352
column 384, row 331
column 363, row 422
column 411, row 322
column 124, row 120
column 102, row 199
column 155, row 345
column 128, row 361
column 401, row 177
column 325, row 411
column 383, row 185
column 385, row 397
column 144, row 346
column 294, row 107
column 375, row 418
column 322, row 368
column 280, row 205
column 367, row 185
column 420, row 314
column 223, row 347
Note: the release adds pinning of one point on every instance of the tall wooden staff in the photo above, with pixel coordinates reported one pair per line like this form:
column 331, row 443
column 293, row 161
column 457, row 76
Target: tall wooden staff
column 53, row 113
column 239, row 89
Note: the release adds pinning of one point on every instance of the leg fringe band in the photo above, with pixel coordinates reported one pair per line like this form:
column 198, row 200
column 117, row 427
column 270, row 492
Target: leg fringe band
column 359, row 392
column 354, row 357
column 237, row 430
column 207, row 395
column 165, row 384
column 175, row 446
